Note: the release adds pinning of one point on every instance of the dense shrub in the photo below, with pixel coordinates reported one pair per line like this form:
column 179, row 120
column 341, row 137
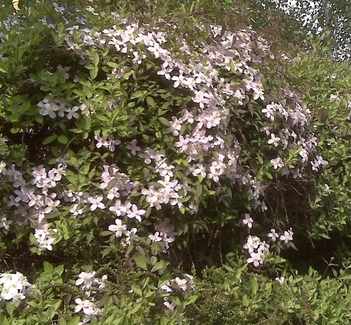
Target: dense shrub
column 234, row 296
column 137, row 154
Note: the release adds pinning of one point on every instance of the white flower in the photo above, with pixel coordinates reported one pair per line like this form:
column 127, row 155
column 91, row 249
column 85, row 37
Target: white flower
column 202, row 98
column 129, row 235
column 135, row 213
column 89, row 283
column 318, row 163
column 269, row 112
column 303, row 154
column 287, row 236
column 52, row 108
column 72, row 112
column 277, row 163
column 216, row 169
column 120, row 209
column 2, row 166
column 133, row 147
column 178, row 81
column 176, row 126
column 108, row 143
column 181, row 283
column 102, row 282
column 257, row 250
column 86, row 280
column 248, row 221
column 156, row 237
column 118, row 228
column 334, row 98
column 76, row 210
column 169, row 305
column 88, row 307
column 44, row 238
column 280, row 279
column 274, row 140
column 5, row 223
column 113, row 193
column 13, row 286
column 199, row 170
column 273, row 235
column 256, row 87
column 216, row 30
column 166, row 287
column 96, row 202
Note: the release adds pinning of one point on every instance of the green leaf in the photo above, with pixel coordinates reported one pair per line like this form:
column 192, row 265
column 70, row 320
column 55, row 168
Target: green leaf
column 139, row 94
column 84, row 170
column 253, row 286
column 63, row 226
column 345, row 277
column 4, row 320
column 141, row 261
column 164, row 121
column 94, row 56
column 62, row 139
column 74, row 321
column 150, row 102
column 245, row 300
column 94, row 67
column 159, row 266
column 50, row 139
column 84, row 123
column 137, row 290
column 93, row 71
column 48, row 268
column 105, row 233
column 191, row 300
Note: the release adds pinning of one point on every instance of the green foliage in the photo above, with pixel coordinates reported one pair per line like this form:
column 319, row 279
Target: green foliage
column 232, row 295
column 320, row 79
column 108, row 94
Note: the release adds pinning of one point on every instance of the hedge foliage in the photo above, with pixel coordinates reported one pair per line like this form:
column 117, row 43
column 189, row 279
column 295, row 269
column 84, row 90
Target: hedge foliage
column 162, row 165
